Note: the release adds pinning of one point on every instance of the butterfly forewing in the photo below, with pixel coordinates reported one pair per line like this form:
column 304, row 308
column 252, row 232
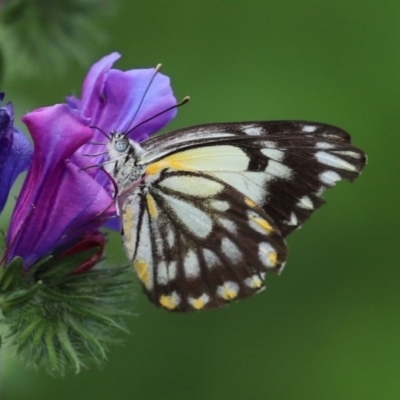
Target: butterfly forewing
column 207, row 221
column 285, row 165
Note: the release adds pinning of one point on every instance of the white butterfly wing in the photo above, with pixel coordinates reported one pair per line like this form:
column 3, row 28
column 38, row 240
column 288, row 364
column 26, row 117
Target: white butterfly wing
column 197, row 243
column 208, row 219
column 284, row 166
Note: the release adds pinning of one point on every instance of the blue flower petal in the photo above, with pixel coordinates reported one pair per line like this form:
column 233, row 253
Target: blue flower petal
column 15, row 152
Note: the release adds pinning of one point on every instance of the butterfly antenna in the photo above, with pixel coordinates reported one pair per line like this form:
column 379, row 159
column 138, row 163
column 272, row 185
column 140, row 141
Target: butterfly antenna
column 101, row 164
column 100, row 130
column 157, row 69
column 181, row 103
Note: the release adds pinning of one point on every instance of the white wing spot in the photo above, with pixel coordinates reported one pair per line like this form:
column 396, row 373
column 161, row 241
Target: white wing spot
column 258, row 223
column 228, row 224
column 212, row 135
column 210, row 258
column 166, row 273
column 309, row 128
column 191, row 265
column 253, row 131
column 144, row 249
column 269, row 145
column 348, row 153
column 278, row 170
column 195, row 220
column 306, row 203
column 171, row 238
column 200, row 302
column 231, row 250
column 253, row 282
column 172, row 270
column 293, row 220
column 329, row 177
column 192, row 185
column 333, row 161
column 252, row 184
column 228, row 291
column 162, row 273
column 274, row 154
column 219, row 205
column 324, row 145
column 209, row 158
column 267, row 254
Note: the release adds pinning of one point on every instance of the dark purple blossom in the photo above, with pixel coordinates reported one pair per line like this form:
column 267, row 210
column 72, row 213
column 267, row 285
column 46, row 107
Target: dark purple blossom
column 15, row 151
column 59, row 202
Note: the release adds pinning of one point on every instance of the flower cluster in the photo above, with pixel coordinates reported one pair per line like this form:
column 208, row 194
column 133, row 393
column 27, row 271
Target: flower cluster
column 58, row 300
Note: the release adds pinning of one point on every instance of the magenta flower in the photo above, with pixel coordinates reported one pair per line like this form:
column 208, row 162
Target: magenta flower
column 59, row 202
column 59, row 301
column 117, row 100
column 15, row 151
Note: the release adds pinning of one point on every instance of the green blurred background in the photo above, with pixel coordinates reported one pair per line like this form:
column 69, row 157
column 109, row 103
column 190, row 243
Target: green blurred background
column 329, row 326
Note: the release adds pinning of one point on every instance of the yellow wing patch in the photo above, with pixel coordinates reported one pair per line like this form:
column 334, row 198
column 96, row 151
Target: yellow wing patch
column 264, row 224
column 200, row 302
column 207, row 158
column 250, row 202
column 128, row 223
column 228, row 291
column 151, row 204
column 170, row 301
column 143, row 271
column 273, row 258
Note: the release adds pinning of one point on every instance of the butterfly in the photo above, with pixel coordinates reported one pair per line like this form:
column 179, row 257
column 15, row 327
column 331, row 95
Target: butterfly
column 205, row 210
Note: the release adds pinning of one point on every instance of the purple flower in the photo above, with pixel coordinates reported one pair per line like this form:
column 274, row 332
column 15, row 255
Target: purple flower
column 62, row 204
column 59, row 203
column 15, row 151
column 66, row 304
column 117, row 100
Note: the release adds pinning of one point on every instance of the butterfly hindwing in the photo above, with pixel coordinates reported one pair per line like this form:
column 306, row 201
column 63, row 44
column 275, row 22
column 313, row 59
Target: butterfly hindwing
column 199, row 242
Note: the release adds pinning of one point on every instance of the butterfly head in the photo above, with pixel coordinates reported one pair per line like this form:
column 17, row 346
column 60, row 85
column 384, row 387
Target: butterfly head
column 119, row 146
column 120, row 143
column 123, row 155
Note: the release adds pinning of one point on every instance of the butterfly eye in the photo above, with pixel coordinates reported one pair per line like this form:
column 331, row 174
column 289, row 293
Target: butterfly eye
column 121, row 145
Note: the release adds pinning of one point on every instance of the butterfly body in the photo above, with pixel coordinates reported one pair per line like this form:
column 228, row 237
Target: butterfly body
column 205, row 210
